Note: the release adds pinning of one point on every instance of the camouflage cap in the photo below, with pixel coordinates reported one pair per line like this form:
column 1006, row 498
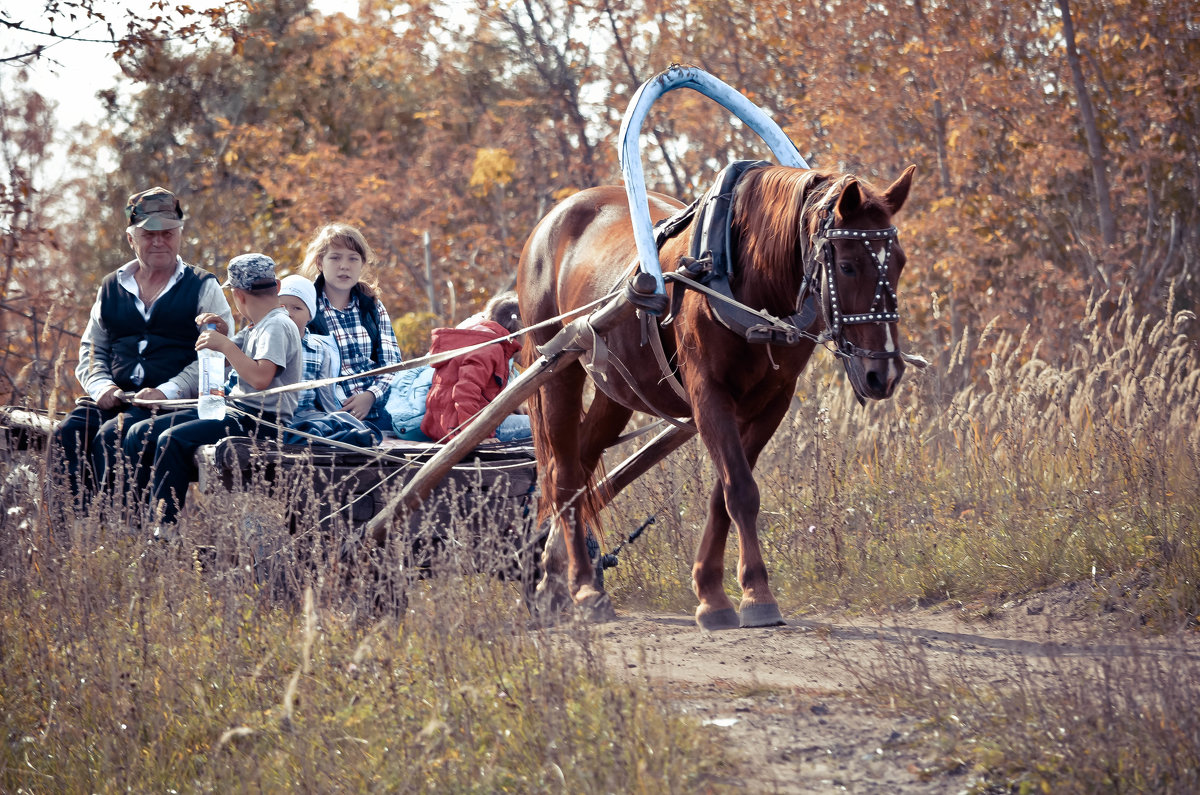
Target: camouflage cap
column 251, row 272
column 154, row 210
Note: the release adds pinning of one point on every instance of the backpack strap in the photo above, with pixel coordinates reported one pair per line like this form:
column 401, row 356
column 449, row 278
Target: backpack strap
column 368, row 311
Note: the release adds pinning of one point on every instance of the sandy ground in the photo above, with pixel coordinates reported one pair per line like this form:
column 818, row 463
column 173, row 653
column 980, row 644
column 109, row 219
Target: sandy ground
column 800, row 703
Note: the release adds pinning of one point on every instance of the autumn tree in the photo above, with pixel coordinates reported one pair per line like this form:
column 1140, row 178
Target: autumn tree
column 33, row 28
column 419, row 125
column 30, row 292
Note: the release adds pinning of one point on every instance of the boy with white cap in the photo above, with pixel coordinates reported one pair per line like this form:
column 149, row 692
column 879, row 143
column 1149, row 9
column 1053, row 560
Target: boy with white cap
column 322, row 359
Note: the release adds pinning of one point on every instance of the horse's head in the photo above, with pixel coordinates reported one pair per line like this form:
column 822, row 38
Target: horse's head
column 857, row 260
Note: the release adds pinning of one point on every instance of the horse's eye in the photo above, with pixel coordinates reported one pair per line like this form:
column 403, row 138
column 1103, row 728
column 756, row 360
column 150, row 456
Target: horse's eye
column 847, row 268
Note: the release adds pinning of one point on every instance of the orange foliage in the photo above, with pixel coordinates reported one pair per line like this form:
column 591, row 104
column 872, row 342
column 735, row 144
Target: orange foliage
column 384, row 121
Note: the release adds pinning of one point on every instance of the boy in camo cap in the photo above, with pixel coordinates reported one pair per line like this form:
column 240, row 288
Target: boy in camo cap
column 266, row 354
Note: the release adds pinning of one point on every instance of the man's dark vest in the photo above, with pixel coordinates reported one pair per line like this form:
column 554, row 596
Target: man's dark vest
column 170, row 333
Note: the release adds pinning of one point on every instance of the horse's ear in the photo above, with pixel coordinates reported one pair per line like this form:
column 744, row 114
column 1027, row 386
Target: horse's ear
column 897, row 192
column 850, row 200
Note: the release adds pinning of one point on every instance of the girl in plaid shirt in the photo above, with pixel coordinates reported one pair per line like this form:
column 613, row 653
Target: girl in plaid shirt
column 351, row 312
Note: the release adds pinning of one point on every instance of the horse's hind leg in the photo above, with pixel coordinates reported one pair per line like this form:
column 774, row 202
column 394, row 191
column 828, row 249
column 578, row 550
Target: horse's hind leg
column 602, row 424
column 556, row 410
column 575, row 448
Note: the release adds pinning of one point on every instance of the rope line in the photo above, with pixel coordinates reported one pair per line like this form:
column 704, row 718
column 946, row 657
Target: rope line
column 411, row 364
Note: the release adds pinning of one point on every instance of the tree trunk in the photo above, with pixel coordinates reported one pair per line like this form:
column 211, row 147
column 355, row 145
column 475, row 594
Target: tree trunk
column 1108, row 227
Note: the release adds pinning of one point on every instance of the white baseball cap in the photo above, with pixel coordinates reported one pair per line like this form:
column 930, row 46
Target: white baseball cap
column 303, row 289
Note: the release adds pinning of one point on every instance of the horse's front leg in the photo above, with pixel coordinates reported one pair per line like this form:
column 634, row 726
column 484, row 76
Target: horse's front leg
column 758, row 607
column 715, row 611
column 735, row 499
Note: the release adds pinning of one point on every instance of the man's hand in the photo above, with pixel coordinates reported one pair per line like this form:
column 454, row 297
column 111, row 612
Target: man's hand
column 147, row 393
column 208, row 317
column 114, row 397
column 359, row 405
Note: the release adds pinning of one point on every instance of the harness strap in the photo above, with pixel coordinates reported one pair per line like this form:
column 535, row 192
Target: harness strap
column 698, row 269
column 789, row 331
column 595, row 358
column 629, row 379
column 670, row 374
column 597, row 361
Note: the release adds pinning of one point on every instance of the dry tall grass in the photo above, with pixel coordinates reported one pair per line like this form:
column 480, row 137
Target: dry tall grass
column 1117, row 717
column 242, row 656
column 1069, row 463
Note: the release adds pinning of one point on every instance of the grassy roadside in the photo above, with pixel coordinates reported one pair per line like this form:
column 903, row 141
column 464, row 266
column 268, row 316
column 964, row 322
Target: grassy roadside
column 1123, row 719
column 157, row 667
column 1078, row 465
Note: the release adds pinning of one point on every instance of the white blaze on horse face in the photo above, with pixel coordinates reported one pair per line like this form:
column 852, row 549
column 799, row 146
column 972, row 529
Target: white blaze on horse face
column 881, row 251
column 890, row 346
column 881, row 254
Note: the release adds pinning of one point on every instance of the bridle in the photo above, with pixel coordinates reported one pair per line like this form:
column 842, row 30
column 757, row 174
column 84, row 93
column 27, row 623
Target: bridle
column 821, row 267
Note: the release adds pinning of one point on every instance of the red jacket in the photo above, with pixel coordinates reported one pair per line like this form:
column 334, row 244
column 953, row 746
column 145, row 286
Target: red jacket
column 462, row 386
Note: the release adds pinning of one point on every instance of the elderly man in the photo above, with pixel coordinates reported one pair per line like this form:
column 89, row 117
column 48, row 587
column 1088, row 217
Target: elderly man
column 140, row 340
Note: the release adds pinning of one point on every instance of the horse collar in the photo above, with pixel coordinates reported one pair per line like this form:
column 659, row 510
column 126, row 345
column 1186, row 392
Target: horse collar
column 711, row 264
column 712, row 239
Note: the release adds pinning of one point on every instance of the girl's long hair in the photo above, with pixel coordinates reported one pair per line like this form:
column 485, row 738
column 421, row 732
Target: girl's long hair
column 345, row 236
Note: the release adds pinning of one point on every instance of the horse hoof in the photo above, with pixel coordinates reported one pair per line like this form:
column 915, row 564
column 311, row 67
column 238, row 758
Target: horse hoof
column 547, row 603
column 544, row 611
column 725, row 618
column 595, row 608
column 761, row 615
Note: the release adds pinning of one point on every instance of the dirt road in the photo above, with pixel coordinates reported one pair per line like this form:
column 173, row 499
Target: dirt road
column 801, row 704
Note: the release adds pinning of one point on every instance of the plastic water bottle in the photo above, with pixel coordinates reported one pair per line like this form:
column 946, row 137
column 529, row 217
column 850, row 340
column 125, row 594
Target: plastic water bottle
column 211, row 405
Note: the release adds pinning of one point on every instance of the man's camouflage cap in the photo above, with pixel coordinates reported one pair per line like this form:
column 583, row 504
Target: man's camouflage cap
column 251, row 272
column 154, row 210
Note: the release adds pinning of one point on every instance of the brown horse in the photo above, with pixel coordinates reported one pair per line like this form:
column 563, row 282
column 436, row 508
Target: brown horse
column 815, row 247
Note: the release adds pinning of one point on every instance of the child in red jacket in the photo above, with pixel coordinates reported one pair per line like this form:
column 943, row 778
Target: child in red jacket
column 464, row 385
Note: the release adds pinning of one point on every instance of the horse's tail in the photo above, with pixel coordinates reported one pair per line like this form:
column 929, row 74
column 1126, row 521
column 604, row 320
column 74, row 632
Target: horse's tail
column 588, row 504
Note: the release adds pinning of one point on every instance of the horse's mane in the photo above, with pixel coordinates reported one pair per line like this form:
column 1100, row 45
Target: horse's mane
column 777, row 211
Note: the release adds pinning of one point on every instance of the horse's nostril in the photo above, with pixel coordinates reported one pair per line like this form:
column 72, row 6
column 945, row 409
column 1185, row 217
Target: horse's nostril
column 875, row 383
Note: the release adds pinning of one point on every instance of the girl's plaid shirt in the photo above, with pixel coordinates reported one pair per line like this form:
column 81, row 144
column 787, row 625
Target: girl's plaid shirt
column 354, row 342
